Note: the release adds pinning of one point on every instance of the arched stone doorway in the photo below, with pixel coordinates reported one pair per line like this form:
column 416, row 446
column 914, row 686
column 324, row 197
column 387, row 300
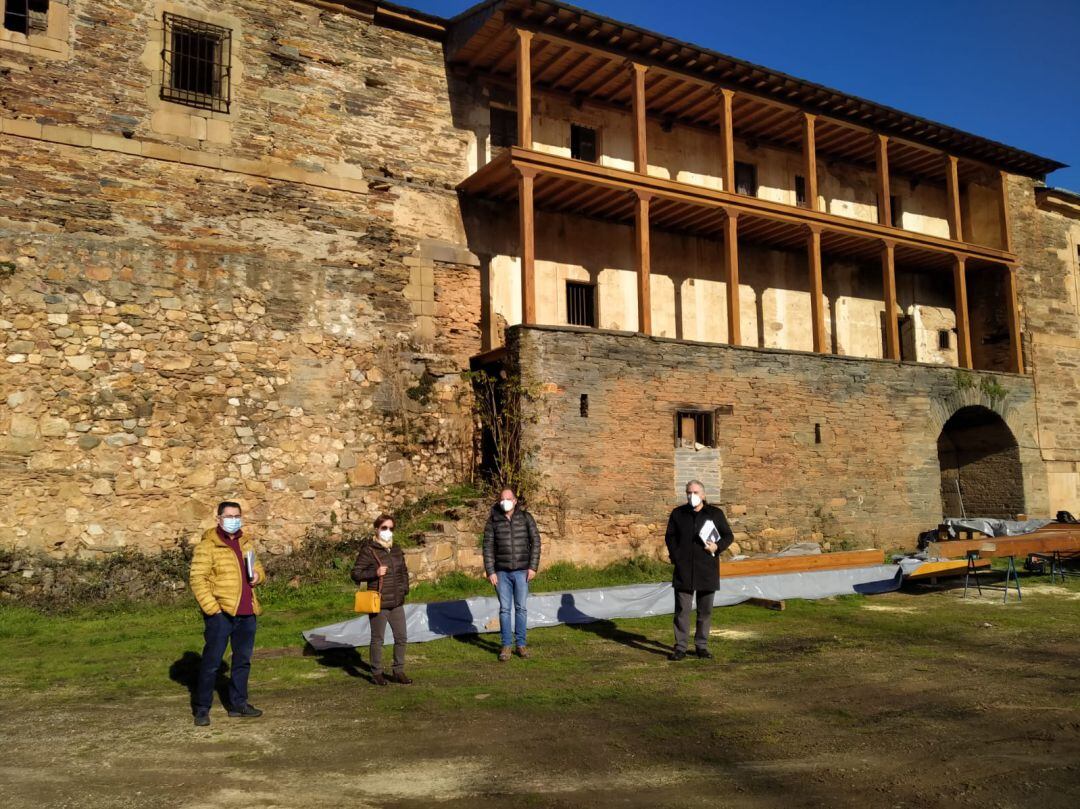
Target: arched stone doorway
column 981, row 475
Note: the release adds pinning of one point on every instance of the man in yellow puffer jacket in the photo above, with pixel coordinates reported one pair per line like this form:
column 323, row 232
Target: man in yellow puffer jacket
column 226, row 595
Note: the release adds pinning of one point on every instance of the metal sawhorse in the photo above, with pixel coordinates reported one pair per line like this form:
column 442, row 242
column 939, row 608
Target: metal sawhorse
column 1010, row 573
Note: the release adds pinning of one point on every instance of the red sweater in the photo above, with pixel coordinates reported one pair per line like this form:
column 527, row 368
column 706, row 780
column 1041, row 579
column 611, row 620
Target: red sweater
column 245, row 606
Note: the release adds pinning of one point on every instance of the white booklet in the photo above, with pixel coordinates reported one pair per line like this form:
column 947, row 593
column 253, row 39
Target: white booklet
column 249, row 564
column 708, row 533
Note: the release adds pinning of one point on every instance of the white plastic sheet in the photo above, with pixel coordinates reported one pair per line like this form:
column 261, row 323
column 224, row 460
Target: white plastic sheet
column 472, row 616
column 994, row 527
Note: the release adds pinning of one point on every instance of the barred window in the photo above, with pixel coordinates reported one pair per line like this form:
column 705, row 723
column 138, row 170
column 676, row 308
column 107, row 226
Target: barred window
column 24, row 16
column 196, row 63
column 695, row 427
column 580, row 304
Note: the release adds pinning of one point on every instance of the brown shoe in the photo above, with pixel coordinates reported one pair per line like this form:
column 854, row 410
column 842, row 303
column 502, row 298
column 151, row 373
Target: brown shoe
column 504, row 654
column 378, row 678
column 523, row 651
column 400, row 677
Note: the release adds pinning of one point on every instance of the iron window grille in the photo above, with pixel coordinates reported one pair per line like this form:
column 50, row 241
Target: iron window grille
column 196, row 63
column 695, row 427
column 943, row 339
column 22, row 16
column 580, row 304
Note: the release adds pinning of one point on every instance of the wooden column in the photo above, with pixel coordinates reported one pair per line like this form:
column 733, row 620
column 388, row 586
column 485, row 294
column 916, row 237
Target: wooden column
column 1006, row 230
column 524, row 88
column 952, row 201
column 888, row 280
column 527, row 231
column 642, row 255
column 731, row 265
column 1016, row 353
column 963, row 326
column 817, row 297
column 884, row 188
column 809, row 154
column 727, row 140
column 641, row 151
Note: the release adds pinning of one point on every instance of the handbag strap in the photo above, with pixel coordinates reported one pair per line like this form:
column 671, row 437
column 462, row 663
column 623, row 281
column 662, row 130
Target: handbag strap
column 379, row 589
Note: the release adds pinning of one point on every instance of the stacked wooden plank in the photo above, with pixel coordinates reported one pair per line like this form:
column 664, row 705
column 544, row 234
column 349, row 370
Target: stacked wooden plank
column 801, row 564
column 938, row 570
column 1054, row 537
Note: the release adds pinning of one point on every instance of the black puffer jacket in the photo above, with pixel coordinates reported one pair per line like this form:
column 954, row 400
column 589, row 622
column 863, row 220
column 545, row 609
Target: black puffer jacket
column 512, row 544
column 395, row 584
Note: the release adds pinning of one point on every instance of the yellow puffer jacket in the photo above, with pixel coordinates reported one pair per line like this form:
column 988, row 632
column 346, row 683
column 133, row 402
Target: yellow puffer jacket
column 216, row 575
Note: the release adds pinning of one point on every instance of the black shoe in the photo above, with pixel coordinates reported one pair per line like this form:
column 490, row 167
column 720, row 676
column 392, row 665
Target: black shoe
column 202, row 720
column 247, row 712
column 704, row 654
column 378, row 679
column 678, row 654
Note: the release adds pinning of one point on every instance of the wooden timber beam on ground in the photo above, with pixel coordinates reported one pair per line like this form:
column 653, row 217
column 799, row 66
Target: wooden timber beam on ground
column 1006, row 546
column 800, row 564
column 935, row 570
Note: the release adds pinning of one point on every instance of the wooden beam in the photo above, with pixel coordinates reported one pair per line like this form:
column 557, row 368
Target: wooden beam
column 1004, row 218
column 888, row 280
column 1016, row 352
column 527, row 235
column 524, row 88
column 809, row 155
column 817, row 296
column 643, row 259
column 727, row 140
column 963, row 326
column 731, row 267
column 641, row 152
column 952, row 201
column 796, row 564
column 884, row 189
column 1005, row 546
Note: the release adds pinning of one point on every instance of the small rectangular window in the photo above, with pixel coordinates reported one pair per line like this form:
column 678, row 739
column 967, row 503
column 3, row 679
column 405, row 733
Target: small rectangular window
column 695, row 427
column 745, row 179
column 943, row 340
column 580, row 304
column 196, row 63
column 583, row 143
column 503, row 127
column 26, row 16
column 896, row 210
column 800, row 190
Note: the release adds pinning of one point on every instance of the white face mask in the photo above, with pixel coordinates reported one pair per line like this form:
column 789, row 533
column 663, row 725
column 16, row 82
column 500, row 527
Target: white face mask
column 507, row 505
column 230, row 525
column 386, row 535
column 694, row 499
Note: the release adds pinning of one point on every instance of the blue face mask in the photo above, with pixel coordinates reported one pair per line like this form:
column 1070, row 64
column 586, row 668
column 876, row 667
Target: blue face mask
column 230, row 525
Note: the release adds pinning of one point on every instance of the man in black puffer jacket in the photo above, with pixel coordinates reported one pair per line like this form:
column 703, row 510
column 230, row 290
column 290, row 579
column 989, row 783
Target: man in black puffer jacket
column 511, row 559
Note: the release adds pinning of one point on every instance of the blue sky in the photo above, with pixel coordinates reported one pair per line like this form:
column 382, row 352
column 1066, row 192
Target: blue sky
column 1005, row 70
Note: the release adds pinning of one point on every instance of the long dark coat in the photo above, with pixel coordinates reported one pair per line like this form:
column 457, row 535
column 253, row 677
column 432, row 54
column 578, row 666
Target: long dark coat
column 696, row 570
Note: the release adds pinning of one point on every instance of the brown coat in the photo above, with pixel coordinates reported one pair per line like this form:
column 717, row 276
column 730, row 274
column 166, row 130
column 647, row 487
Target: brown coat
column 395, row 584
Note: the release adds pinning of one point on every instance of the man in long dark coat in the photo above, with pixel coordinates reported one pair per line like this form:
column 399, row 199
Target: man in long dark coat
column 696, row 534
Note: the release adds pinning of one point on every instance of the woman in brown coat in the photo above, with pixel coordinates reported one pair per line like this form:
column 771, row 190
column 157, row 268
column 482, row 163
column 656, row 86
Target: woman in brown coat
column 381, row 564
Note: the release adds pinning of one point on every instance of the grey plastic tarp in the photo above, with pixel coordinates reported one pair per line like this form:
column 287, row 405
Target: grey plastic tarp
column 472, row 616
column 993, row 527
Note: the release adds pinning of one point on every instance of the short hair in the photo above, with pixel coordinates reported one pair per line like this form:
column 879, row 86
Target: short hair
column 383, row 518
column 700, row 485
column 224, row 504
column 508, row 489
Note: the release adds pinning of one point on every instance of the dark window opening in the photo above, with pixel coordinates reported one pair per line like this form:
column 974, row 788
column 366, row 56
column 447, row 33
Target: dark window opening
column 817, row 433
column 197, row 63
column 584, row 405
column 26, row 16
column 895, row 210
column 905, row 324
column 693, row 427
column 800, row 190
column 943, row 340
column 583, row 143
column 746, row 179
column 580, row 304
column 503, row 127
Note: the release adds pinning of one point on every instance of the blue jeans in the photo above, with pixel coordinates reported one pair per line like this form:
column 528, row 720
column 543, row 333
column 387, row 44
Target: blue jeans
column 513, row 588
column 219, row 631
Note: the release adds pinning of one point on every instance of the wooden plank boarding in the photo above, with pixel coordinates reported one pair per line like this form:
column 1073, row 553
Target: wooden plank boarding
column 1006, row 546
column 801, row 564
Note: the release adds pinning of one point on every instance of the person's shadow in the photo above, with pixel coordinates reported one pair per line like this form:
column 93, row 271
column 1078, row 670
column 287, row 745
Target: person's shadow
column 346, row 658
column 185, row 671
column 574, row 618
column 455, row 619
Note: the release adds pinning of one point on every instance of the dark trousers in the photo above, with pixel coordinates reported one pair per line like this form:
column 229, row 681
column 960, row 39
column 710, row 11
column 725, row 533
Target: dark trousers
column 220, row 630
column 683, row 603
column 379, row 620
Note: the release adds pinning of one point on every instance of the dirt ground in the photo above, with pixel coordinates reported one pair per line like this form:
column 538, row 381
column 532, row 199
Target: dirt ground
column 899, row 701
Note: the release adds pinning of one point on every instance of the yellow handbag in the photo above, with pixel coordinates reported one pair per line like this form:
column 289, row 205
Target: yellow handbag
column 369, row 600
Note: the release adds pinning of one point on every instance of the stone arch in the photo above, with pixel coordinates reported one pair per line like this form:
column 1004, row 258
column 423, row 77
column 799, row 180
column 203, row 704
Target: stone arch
column 979, row 459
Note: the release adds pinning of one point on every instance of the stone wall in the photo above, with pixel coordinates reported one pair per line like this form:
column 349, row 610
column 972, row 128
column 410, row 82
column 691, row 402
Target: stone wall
column 253, row 307
column 811, row 447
